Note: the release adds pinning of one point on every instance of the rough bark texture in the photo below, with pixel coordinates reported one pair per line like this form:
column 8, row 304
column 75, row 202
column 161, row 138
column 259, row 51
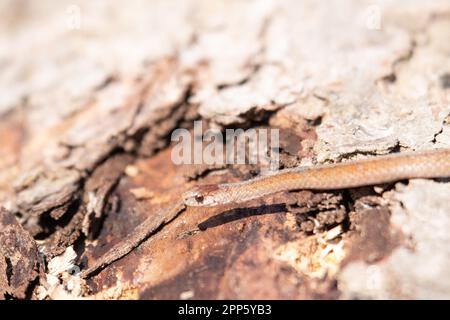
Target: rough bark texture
column 19, row 257
column 86, row 113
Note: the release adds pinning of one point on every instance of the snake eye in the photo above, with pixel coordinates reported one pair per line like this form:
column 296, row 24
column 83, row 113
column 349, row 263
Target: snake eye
column 199, row 198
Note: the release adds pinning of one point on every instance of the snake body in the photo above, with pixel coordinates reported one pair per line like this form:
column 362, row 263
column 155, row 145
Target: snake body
column 384, row 169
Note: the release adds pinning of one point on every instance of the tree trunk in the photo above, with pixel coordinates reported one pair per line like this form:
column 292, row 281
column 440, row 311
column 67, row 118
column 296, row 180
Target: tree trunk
column 91, row 93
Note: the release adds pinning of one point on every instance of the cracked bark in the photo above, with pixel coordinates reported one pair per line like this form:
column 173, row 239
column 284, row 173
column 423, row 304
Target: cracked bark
column 85, row 157
column 18, row 256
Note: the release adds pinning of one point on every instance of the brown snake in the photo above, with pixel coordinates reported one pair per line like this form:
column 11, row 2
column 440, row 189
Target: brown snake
column 428, row 164
column 390, row 168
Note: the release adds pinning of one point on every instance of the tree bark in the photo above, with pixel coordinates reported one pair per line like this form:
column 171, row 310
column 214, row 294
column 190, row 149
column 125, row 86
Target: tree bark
column 92, row 92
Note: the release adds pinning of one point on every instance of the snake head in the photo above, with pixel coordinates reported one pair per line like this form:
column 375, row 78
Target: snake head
column 201, row 196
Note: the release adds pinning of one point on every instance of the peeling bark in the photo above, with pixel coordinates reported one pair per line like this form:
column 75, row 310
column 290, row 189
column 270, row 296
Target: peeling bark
column 18, row 256
column 85, row 154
